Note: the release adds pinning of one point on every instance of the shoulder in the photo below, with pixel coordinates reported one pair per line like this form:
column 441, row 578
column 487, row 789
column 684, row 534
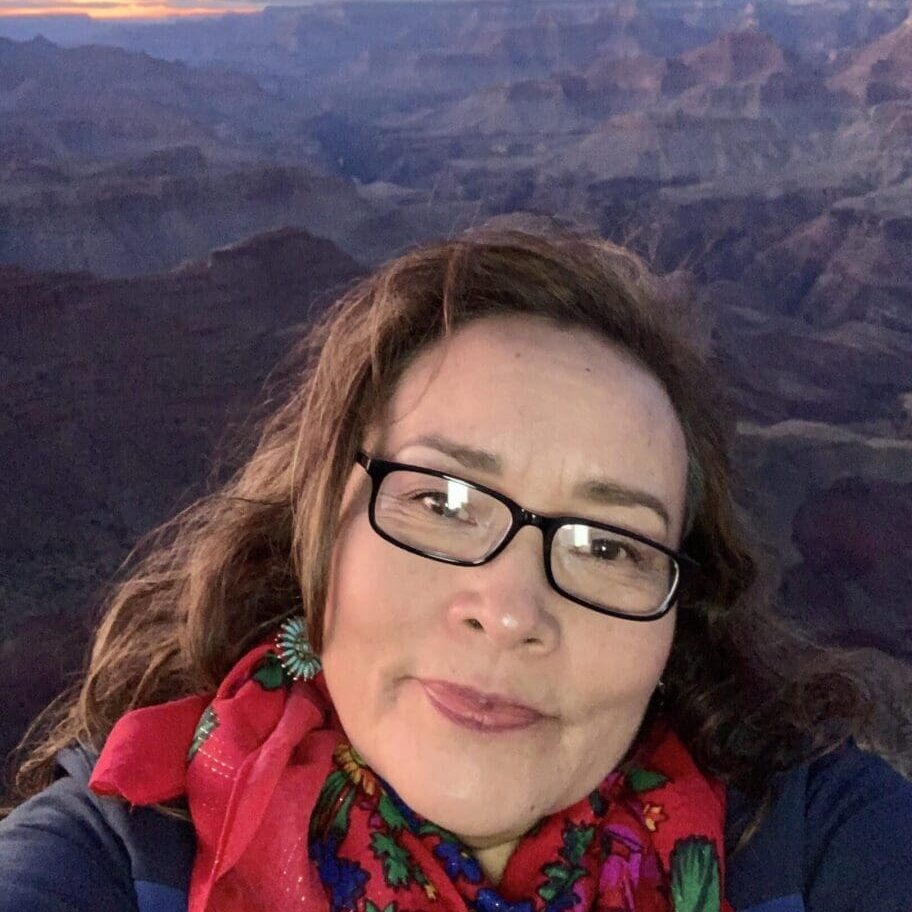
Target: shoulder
column 67, row 850
column 58, row 853
column 859, row 821
column 834, row 823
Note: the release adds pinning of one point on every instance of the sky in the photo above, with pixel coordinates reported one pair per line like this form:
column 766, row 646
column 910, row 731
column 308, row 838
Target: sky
column 127, row 9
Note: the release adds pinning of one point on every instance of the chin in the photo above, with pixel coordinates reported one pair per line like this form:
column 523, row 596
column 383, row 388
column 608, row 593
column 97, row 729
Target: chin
column 478, row 818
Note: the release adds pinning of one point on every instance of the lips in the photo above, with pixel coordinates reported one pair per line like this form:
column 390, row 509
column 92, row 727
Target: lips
column 478, row 711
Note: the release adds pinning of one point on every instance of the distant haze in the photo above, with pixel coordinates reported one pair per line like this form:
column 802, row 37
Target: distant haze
column 28, row 12
column 62, row 19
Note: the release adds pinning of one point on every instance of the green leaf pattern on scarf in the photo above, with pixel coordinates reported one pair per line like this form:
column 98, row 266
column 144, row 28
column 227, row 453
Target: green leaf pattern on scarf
column 333, row 786
column 390, row 814
column 340, row 823
column 695, row 875
column 207, row 724
column 642, row 780
column 395, row 859
column 399, row 868
column 269, row 673
column 564, row 874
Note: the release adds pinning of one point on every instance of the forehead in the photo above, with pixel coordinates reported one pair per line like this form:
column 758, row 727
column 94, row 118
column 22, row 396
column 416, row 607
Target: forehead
column 556, row 404
column 523, row 369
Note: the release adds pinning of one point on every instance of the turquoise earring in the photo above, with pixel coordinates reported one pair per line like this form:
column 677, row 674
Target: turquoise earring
column 295, row 653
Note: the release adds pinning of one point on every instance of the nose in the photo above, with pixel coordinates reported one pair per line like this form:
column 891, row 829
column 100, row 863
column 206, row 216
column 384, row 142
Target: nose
column 506, row 601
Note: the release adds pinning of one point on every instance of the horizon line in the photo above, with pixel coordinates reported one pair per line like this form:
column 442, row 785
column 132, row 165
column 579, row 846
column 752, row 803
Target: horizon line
column 150, row 12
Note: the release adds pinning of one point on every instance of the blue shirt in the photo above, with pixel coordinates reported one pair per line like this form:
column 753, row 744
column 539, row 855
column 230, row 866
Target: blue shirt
column 838, row 839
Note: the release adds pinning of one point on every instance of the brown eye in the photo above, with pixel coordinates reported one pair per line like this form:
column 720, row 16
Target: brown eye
column 612, row 550
column 437, row 503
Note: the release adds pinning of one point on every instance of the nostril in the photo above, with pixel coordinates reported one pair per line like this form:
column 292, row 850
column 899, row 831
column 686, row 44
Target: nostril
column 474, row 623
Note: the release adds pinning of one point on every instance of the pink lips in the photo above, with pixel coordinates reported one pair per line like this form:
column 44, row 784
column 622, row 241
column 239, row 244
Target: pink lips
column 475, row 710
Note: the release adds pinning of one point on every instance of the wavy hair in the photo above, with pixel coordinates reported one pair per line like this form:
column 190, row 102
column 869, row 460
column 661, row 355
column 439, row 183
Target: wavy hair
column 748, row 693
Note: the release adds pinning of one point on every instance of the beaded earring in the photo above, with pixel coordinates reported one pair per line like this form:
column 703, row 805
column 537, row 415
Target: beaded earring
column 295, row 653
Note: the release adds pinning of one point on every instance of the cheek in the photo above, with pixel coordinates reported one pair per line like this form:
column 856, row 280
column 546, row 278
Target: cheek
column 343, row 568
column 355, row 582
column 377, row 598
column 377, row 618
column 615, row 662
column 357, row 636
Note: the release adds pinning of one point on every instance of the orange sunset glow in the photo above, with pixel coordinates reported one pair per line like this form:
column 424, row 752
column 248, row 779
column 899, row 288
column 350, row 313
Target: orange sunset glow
column 107, row 10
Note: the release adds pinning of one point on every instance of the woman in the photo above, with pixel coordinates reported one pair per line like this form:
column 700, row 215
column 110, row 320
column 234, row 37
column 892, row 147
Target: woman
column 475, row 627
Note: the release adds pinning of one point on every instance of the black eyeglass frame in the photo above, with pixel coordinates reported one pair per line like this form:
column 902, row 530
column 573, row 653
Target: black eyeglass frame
column 378, row 469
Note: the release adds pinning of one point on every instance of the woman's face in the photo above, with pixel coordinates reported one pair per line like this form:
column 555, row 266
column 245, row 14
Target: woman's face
column 557, row 407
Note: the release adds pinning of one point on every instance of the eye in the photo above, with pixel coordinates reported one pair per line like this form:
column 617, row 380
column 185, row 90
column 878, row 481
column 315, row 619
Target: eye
column 438, row 503
column 613, row 551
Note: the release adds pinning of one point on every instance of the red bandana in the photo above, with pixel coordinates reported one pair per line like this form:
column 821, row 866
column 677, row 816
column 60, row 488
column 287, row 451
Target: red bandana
column 288, row 817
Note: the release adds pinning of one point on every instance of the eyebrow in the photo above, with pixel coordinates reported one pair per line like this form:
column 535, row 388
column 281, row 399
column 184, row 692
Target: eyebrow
column 598, row 490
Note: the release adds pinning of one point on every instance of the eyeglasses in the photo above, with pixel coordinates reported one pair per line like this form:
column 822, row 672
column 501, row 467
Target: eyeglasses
column 608, row 569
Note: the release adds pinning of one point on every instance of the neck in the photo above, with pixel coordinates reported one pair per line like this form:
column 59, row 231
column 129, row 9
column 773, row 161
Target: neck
column 493, row 859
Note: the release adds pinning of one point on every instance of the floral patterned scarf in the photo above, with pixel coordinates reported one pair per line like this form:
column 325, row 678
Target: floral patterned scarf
column 288, row 817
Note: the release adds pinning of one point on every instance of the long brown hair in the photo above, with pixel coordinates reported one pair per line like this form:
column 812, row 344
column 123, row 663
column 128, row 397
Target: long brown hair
column 748, row 694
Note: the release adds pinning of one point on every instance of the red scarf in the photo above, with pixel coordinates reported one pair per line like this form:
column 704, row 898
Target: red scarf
column 288, row 817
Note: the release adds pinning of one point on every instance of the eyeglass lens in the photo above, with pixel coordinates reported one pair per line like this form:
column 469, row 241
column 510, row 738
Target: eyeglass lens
column 450, row 519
